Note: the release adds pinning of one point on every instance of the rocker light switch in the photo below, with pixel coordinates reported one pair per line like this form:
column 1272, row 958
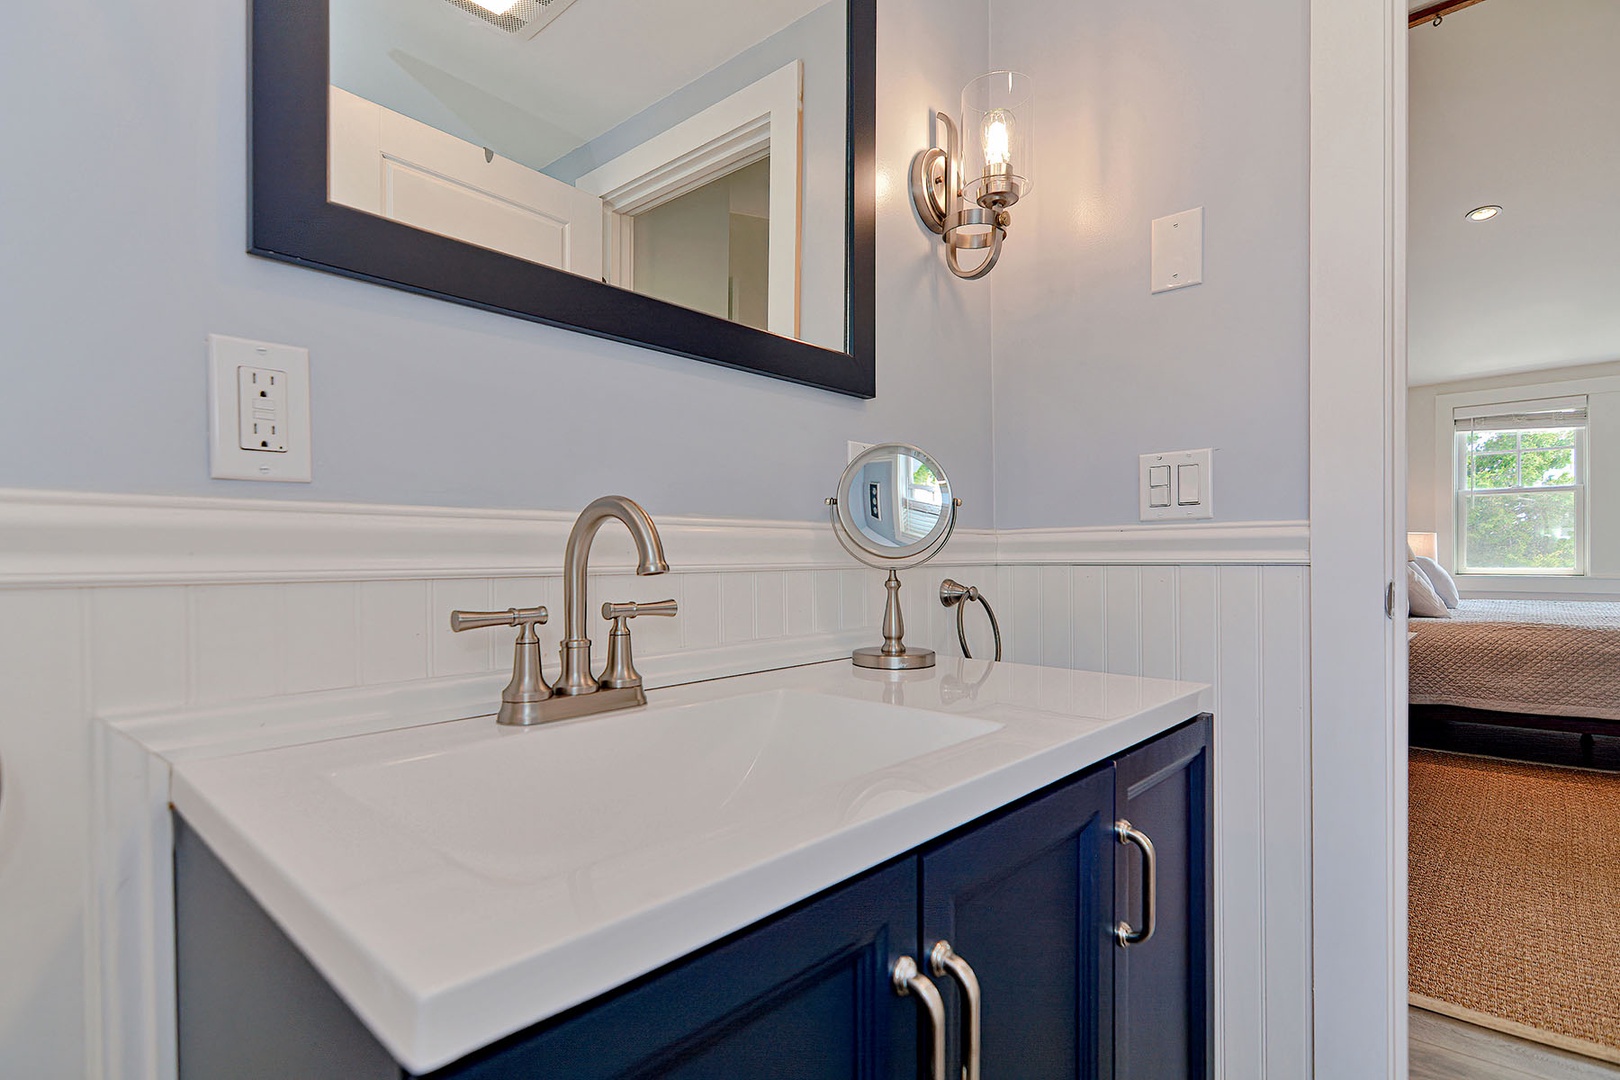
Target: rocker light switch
column 1187, row 486
column 1159, row 485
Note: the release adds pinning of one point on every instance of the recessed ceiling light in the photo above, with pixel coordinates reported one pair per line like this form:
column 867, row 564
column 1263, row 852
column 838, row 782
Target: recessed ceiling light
column 497, row 7
column 1483, row 213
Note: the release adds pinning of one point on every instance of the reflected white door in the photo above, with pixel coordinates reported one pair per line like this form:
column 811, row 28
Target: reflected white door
column 387, row 164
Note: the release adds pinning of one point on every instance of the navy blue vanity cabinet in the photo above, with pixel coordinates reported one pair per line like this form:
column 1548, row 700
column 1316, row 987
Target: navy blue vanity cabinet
column 1164, row 986
column 1027, row 901
column 805, row 996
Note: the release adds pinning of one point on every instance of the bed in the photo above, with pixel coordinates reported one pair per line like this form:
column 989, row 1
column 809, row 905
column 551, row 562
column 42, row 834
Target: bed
column 1550, row 664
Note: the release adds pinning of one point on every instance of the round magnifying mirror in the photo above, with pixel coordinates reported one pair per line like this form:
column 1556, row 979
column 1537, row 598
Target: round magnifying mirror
column 893, row 510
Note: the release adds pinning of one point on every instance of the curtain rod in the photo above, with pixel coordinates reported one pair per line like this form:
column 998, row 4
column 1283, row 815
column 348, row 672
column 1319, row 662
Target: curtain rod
column 1433, row 13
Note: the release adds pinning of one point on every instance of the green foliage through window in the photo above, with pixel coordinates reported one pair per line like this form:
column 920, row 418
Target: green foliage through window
column 1519, row 500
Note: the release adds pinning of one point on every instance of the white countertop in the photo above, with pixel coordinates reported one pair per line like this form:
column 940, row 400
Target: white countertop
column 457, row 882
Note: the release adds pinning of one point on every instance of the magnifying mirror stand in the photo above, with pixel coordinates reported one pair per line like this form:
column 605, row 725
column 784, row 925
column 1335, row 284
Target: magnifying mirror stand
column 894, row 510
column 893, row 654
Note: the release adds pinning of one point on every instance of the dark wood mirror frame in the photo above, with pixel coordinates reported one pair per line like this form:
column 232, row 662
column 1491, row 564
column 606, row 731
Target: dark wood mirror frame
column 291, row 220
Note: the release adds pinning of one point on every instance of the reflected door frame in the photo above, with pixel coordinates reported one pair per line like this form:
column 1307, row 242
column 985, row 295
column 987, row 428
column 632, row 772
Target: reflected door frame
column 763, row 119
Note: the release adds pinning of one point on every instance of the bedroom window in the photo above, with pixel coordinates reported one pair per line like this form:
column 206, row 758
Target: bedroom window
column 1521, row 487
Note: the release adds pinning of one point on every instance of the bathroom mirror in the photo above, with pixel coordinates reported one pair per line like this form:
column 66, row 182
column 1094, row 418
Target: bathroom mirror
column 894, row 509
column 695, row 177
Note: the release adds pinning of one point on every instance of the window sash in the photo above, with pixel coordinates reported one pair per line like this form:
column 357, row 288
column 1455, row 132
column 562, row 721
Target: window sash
column 1467, row 470
column 1462, row 493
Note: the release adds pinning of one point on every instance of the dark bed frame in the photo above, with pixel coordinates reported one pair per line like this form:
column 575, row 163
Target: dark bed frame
column 1528, row 737
column 1578, row 725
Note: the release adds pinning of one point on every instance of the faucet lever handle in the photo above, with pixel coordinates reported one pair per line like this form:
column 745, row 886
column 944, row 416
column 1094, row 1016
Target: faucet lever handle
column 621, row 670
column 631, row 610
column 527, row 618
column 521, row 700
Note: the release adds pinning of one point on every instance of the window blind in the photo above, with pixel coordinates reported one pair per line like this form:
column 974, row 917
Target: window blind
column 1565, row 412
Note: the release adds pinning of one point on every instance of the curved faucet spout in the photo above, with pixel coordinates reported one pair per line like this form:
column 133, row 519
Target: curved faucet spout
column 576, row 647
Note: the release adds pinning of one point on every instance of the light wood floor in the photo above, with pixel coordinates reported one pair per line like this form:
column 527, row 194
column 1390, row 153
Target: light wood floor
column 1447, row 1049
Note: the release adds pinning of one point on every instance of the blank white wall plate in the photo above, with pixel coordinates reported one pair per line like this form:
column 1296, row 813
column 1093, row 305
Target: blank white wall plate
column 1178, row 250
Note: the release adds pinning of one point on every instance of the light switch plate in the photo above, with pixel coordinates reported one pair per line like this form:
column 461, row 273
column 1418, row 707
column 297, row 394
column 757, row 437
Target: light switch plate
column 287, row 456
column 856, row 449
column 1178, row 250
column 1190, row 478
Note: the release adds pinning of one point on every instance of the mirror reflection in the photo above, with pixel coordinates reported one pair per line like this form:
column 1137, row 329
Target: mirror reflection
column 671, row 149
column 896, row 498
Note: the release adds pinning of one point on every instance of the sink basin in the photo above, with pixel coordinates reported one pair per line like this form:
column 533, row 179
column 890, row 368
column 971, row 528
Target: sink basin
column 542, row 802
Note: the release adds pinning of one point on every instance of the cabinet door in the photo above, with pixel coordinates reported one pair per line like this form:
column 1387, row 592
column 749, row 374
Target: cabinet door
column 1027, row 900
column 805, row 996
column 1163, row 991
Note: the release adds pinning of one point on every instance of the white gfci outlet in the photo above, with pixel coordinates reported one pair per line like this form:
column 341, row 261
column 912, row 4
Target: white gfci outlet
column 261, row 403
column 1176, row 485
column 258, row 416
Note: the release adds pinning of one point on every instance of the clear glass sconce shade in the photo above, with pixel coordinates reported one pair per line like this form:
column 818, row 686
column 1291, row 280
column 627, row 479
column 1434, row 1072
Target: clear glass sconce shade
column 998, row 129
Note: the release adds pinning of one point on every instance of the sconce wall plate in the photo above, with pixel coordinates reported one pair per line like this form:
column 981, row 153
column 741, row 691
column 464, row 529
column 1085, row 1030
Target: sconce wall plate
column 928, row 185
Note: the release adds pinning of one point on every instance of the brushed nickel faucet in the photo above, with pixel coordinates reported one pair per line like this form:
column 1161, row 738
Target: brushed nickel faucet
column 576, row 675
column 528, row 699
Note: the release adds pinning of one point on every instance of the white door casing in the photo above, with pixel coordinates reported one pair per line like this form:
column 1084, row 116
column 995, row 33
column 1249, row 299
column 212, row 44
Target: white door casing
column 763, row 118
column 388, row 164
column 1358, row 526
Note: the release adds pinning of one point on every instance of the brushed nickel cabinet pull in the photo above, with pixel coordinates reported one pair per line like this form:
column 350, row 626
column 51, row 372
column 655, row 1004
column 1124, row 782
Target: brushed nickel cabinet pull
column 908, row 980
column 1128, row 834
column 945, row 961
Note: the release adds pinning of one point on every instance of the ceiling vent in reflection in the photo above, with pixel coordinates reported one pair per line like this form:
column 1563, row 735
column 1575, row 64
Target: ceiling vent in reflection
column 526, row 17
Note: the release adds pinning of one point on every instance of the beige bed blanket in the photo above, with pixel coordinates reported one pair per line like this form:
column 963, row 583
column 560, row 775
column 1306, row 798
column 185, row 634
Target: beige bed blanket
column 1551, row 657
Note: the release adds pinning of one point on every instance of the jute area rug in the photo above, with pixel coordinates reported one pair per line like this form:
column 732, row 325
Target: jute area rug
column 1515, row 898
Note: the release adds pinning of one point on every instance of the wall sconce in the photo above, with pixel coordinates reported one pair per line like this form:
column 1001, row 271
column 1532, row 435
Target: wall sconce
column 963, row 191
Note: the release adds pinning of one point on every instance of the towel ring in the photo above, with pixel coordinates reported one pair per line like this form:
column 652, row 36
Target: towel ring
column 956, row 595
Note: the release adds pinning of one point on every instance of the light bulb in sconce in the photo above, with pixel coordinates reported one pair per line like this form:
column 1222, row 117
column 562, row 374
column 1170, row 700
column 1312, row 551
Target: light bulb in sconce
column 998, row 133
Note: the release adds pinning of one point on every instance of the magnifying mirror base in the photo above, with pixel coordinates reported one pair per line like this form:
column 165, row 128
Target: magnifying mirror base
column 873, row 656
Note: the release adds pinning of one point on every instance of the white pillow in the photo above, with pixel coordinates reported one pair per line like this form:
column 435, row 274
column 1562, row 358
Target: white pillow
column 1425, row 602
column 1444, row 584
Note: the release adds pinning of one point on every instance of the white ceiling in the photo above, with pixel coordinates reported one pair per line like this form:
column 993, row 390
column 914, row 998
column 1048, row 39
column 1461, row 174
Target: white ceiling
column 1514, row 102
column 596, row 65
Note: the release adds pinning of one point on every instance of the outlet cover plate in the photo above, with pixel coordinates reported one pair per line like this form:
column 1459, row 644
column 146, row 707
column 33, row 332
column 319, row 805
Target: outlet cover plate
column 227, row 459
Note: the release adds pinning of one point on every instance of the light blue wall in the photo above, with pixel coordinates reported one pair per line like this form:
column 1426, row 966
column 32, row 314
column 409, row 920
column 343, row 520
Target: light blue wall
column 1147, row 109
column 124, row 206
column 124, row 209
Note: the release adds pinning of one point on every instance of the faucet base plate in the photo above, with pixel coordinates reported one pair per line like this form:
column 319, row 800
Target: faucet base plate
column 567, row 708
column 873, row 656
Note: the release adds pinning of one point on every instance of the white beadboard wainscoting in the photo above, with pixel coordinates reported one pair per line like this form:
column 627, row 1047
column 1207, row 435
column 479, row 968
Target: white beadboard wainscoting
column 193, row 627
column 1244, row 629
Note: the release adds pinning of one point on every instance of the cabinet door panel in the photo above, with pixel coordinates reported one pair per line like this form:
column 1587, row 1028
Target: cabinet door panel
column 1163, row 986
column 1026, row 899
column 805, row 996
